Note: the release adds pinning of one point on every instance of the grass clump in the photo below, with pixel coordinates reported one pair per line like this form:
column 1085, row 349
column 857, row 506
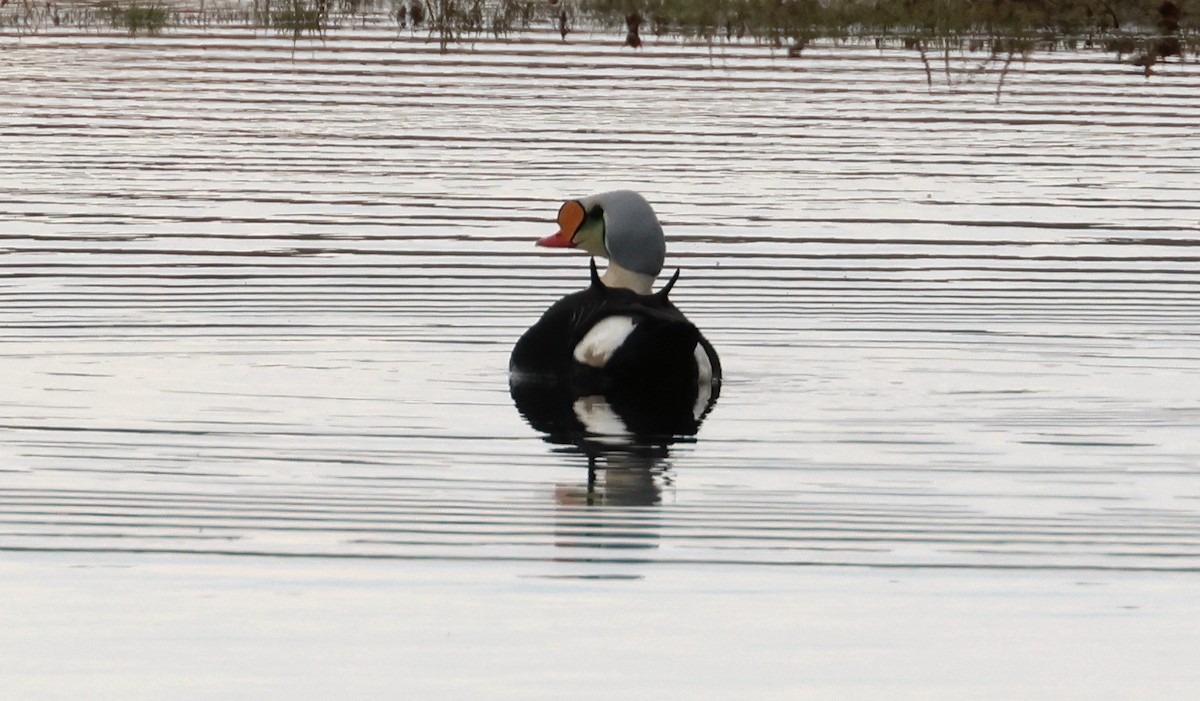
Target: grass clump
column 298, row 17
column 136, row 17
column 454, row 21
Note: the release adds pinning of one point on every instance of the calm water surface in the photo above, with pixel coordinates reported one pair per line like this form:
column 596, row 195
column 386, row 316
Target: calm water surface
column 256, row 437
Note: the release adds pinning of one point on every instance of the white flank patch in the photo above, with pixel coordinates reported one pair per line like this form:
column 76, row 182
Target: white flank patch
column 703, row 365
column 703, row 382
column 598, row 346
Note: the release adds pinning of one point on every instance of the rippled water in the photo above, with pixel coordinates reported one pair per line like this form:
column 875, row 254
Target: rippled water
column 258, row 299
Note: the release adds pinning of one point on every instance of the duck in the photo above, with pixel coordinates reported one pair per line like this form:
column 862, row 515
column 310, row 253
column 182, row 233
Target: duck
column 618, row 337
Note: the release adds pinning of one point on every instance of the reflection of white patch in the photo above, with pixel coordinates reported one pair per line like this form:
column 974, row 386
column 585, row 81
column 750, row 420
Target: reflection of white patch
column 598, row 346
column 703, row 382
column 598, row 417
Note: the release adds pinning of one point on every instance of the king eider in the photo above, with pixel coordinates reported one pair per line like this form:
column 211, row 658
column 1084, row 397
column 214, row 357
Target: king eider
column 617, row 335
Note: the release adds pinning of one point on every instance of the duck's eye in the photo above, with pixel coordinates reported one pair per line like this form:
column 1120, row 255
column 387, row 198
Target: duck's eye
column 596, row 216
column 590, row 234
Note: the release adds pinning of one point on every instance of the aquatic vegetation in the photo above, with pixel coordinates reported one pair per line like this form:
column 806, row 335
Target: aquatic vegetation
column 1142, row 32
column 297, row 17
column 999, row 26
column 999, row 31
column 511, row 15
column 136, row 17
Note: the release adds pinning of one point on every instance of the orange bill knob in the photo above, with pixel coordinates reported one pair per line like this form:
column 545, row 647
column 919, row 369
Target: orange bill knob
column 570, row 218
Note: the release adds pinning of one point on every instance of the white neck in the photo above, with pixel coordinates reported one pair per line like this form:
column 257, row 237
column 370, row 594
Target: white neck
column 616, row 276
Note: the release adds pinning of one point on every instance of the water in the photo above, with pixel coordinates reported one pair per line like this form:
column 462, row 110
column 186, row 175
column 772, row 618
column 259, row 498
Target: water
column 258, row 299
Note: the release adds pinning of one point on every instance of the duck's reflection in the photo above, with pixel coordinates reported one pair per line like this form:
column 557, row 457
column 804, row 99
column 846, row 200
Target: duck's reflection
column 625, row 436
column 618, row 479
column 607, row 516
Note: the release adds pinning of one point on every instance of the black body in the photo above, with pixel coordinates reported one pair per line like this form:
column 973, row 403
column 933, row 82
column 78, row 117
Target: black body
column 650, row 382
column 659, row 353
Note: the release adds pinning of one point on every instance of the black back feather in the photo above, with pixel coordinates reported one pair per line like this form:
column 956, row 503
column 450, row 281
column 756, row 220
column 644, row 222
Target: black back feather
column 666, row 290
column 596, row 282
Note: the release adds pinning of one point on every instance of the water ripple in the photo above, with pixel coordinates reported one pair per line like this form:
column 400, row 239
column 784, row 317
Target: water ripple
column 258, row 299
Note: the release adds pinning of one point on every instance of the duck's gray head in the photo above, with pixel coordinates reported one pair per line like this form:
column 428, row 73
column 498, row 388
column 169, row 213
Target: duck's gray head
column 618, row 225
